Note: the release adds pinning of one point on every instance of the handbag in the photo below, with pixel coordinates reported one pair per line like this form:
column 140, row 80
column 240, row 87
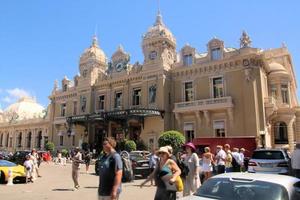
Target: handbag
column 174, row 187
column 179, row 184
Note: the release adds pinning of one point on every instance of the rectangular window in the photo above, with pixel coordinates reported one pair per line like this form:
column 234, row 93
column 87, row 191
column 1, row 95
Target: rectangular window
column 152, row 93
column 46, row 139
column 189, row 131
column 219, row 128
column 75, row 108
column 188, row 60
column 218, row 88
column 118, row 100
column 274, row 91
column 216, row 54
column 285, row 93
column 136, row 99
column 101, row 102
column 63, row 110
column 61, row 140
column 188, row 91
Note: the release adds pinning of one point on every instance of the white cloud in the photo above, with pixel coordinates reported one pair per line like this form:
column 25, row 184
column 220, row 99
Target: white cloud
column 7, row 99
column 18, row 93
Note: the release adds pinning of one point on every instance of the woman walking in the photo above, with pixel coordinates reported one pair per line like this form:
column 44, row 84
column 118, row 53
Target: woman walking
column 192, row 181
column 207, row 166
column 165, row 173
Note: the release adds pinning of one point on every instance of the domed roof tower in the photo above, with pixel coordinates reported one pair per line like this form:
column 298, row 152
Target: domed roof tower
column 159, row 44
column 24, row 108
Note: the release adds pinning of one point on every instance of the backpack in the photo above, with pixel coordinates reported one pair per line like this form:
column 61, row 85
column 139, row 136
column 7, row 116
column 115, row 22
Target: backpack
column 184, row 168
column 234, row 163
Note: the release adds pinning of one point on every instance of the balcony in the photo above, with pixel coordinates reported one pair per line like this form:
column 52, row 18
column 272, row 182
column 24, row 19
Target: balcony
column 204, row 104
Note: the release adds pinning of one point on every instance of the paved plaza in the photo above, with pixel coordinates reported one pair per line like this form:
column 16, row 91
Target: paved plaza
column 56, row 183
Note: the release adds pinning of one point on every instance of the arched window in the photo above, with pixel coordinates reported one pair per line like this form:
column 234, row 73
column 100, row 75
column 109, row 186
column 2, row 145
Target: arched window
column 1, row 139
column 280, row 133
column 20, row 140
column 29, row 140
column 39, row 140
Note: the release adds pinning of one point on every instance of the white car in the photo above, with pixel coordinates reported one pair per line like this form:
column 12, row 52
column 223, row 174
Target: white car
column 248, row 186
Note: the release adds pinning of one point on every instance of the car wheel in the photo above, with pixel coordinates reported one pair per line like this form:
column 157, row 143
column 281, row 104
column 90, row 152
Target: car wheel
column 2, row 177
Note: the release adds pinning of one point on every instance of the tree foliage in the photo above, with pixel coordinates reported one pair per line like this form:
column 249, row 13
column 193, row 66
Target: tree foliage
column 172, row 138
column 50, row 146
column 130, row 145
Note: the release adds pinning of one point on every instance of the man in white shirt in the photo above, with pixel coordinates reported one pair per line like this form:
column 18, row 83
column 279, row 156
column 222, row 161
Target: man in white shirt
column 242, row 151
column 295, row 159
column 220, row 159
column 236, row 160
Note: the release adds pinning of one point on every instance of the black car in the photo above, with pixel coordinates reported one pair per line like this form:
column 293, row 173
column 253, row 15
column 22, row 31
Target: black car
column 140, row 164
column 19, row 157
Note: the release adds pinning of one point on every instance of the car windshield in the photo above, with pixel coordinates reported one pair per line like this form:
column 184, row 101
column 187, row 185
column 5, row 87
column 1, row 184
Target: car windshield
column 5, row 163
column 224, row 188
column 269, row 155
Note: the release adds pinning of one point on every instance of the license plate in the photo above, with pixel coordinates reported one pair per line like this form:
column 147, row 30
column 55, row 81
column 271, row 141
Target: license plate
column 268, row 165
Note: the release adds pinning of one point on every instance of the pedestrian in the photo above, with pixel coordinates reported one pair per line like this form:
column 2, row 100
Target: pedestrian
column 87, row 160
column 28, row 164
column 76, row 161
column 110, row 171
column 295, row 159
column 192, row 180
column 34, row 157
column 242, row 154
column 152, row 162
column 165, row 174
column 170, row 149
column 236, row 160
column 220, row 159
column 207, row 163
column 228, row 160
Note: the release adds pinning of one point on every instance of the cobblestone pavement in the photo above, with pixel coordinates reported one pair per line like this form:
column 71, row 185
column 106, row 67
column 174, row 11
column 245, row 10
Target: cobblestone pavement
column 56, row 183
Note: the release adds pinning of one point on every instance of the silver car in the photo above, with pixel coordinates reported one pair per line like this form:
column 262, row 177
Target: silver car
column 248, row 186
column 274, row 161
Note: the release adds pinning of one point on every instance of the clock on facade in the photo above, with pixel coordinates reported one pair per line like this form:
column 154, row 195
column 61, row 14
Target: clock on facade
column 119, row 67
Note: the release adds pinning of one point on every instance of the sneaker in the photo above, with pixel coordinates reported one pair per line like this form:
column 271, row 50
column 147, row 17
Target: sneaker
column 77, row 187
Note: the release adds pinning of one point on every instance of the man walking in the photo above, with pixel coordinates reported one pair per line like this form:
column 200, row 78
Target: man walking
column 76, row 160
column 110, row 173
column 295, row 159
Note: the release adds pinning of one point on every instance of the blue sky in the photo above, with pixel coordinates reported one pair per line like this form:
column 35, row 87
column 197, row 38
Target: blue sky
column 41, row 41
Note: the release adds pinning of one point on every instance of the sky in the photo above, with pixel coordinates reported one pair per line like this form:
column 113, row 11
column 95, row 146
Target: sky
column 41, row 41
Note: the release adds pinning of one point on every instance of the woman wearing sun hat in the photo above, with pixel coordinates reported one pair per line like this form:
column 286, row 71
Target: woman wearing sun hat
column 192, row 180
column 166, row 171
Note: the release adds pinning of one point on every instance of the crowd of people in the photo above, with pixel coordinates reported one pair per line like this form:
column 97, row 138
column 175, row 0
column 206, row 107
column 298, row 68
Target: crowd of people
column 171, row 174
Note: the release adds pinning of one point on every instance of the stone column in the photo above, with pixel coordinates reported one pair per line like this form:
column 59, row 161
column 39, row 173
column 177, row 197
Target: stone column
column 297, row 134
column 179, row 122
column 206, row 116
column 230, row 116
column 291, row 136
column 198, row 123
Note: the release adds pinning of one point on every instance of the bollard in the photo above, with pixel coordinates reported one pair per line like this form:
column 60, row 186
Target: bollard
column 10, row 177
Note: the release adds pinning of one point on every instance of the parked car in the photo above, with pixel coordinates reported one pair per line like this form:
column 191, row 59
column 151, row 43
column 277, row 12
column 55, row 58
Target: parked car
column 248, row 186
column 275, row 161
column 140, row 163
column 18, row 171
column 19, row 157
column 4, row 155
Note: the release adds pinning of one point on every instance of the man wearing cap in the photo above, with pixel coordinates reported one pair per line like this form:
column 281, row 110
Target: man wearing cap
column 110, row 172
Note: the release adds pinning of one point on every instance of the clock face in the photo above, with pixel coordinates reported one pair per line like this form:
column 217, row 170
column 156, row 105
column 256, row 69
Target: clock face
column 119, row 67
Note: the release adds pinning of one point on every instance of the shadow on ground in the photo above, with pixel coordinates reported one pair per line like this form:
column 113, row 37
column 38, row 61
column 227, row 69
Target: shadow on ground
column 62, row 189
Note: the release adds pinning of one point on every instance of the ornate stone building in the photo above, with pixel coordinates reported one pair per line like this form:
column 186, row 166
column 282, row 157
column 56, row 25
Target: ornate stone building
column 24, row 125
column 224, row 92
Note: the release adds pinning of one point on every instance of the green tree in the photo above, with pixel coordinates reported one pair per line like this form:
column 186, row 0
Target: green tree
column 50, row 146
column 173, row 138
column 130, row 145
column 140, row 145
column 64, row 152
